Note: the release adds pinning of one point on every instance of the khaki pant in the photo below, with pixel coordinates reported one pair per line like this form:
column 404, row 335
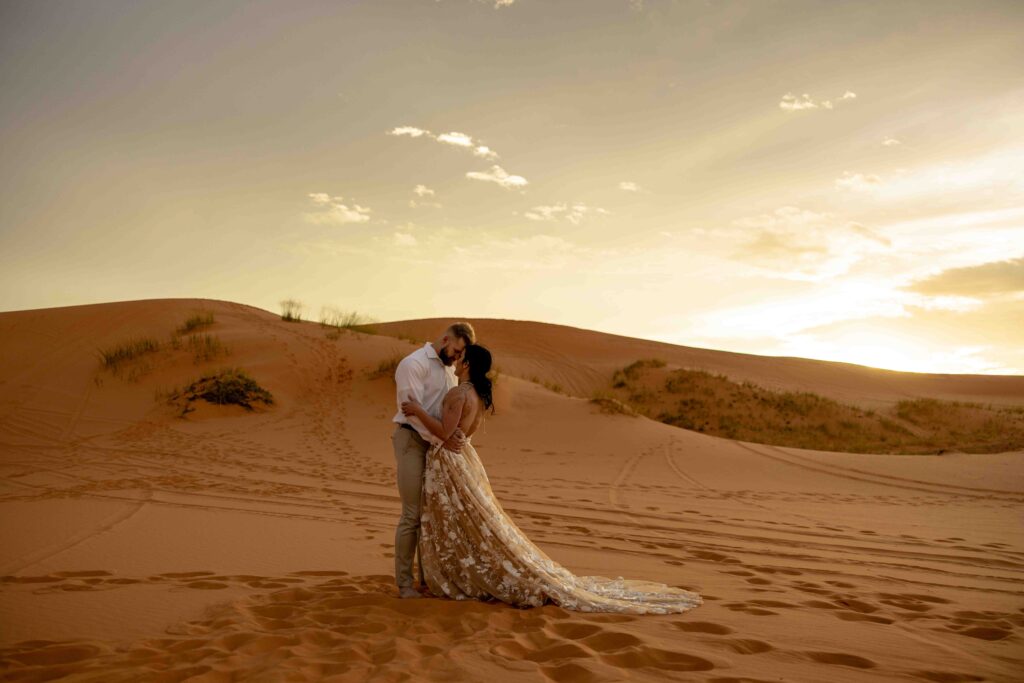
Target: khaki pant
column 410, row 453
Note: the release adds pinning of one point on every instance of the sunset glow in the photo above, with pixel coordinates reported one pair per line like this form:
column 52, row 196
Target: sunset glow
column 842, row 181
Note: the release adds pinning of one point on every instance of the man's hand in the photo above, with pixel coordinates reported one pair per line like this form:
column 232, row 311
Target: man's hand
column 456, row 441
column 410, row 406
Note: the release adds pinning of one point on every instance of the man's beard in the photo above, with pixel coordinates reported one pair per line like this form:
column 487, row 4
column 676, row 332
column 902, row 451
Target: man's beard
column 445, row 358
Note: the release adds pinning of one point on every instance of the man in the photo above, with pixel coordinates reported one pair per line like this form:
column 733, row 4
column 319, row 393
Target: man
column 425, row 374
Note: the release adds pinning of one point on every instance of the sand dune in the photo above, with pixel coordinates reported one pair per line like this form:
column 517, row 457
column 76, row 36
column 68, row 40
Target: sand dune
column 234, row 545
column 582, row 361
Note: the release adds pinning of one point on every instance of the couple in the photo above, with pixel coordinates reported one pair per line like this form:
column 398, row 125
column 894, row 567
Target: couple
column 469, row 547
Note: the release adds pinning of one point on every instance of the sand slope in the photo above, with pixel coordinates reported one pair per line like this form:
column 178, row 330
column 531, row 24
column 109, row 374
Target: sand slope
column 136, row 545
column 582, row 361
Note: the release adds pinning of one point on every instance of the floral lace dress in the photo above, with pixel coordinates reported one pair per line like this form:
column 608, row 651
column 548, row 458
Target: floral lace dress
column 471, row 549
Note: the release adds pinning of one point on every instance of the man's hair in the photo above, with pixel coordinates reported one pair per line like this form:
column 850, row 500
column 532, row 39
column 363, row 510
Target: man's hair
column 463, row 331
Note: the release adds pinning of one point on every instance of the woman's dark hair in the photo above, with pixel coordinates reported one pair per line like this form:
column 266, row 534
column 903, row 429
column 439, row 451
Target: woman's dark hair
column 479, row 360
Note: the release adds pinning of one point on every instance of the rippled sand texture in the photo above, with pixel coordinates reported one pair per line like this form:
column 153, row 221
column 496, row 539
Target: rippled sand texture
column 229, row 545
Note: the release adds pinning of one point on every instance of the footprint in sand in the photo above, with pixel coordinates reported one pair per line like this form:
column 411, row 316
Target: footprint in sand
column 840, row 659
column 702, row 627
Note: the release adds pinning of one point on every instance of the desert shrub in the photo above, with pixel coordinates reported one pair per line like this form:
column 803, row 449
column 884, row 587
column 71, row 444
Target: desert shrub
column 611, row 405
column 632, row 371
column 553, row 386
column 228, row 386
column 291, row 310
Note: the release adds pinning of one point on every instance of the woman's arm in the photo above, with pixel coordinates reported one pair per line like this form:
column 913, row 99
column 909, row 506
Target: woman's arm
column 451, row 414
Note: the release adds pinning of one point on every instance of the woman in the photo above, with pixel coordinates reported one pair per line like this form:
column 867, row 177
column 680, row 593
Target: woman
column 470, row 548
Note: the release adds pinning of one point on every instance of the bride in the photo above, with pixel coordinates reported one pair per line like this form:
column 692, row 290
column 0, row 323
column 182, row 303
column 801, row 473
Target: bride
column 471, row 549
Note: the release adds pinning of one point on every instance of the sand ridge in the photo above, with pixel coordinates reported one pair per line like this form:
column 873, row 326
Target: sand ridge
column 258, row 545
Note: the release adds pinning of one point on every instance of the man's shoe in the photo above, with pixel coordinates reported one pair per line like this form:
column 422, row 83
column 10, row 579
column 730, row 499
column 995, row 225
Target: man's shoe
column 408, row 592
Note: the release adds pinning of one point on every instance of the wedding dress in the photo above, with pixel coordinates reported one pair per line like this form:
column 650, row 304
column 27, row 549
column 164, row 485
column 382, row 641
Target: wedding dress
column 471, row 549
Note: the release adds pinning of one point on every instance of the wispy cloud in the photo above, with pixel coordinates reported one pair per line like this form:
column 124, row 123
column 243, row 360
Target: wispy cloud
column 982, row 280
column 485, row 152
column 404, row 239
column 791, row 102
column 870, row 234
column 333, row 212
column 891, row 142
column 574, row 213
column 453, row 138
column 499, row 176
column 800, row 244
column 630, row 186
column 422, row 191
column 410, row 131
column 858, row 182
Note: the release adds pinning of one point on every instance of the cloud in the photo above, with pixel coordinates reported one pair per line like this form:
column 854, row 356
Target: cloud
column 982, row 280
column 423, row 191
column 574, row 213
column 410, row 131
column 791, row 102
column 499, row 176
column 485, row 152
column 334, row 212
column 404, row 239
column 800, row 244
column 868, row 233
column 891, row 142
column 630, row 186
column 858, row 182
column 455, row 138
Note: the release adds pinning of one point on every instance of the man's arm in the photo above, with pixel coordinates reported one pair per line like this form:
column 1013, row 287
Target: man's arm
column 409, row 380
column 451, row 415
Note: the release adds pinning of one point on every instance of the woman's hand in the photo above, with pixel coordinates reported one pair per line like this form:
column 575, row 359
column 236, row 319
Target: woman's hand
column 411, row 407
column 456, row 441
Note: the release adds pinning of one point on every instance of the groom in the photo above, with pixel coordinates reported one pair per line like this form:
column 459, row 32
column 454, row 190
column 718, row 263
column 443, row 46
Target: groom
column 425, row 374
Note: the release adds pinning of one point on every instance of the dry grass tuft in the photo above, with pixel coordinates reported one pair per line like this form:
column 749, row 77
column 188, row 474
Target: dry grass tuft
column 337, row 320
column 195, row 322
column 291, row 310
column 205, row 347
column 386, row 368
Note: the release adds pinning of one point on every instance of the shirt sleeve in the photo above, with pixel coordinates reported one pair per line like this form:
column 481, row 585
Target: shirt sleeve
column 409, row 380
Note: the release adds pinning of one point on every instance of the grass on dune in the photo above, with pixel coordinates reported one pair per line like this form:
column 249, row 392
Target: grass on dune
column 713, row 404
column 386, row 368
column 336, row 320
column 113, row 357
column 291, row 310
column 195, row 322
column 137, row 356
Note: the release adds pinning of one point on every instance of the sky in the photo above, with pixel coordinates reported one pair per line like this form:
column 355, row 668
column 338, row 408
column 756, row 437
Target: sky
column 833, row 180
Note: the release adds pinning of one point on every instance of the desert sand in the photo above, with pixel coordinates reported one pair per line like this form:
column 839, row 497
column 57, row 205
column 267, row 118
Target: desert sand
column 236, row 545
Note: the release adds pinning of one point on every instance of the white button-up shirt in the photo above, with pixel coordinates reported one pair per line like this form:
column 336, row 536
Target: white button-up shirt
column 427, row 379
